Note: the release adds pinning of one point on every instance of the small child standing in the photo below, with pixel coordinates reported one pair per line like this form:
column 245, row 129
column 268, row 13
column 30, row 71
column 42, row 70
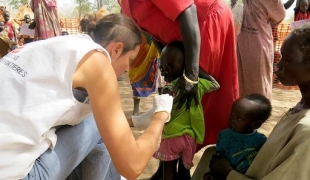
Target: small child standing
column 302, row 11
column 240, row 143
column 186, row 128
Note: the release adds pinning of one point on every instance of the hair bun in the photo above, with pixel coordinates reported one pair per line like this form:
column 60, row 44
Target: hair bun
column 87, row 24
column 91, row 25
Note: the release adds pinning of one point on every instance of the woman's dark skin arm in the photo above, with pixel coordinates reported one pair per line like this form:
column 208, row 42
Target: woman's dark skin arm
column 191, row 39
column 204, row 75
column 288, row 4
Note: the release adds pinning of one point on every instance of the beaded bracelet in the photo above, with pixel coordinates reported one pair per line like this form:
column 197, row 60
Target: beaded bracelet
column 190, row 81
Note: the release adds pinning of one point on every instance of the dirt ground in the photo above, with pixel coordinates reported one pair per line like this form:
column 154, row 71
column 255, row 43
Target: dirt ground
column 282, row 100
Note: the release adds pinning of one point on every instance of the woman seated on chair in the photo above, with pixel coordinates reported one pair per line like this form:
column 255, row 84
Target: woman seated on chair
column 285, row 155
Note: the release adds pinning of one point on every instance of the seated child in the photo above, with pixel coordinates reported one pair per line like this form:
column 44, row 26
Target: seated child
column 302, row 11
column 186, row 128
column 240, row 143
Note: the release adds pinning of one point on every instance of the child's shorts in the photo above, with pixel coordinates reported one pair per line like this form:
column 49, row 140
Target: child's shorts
column 182, row 146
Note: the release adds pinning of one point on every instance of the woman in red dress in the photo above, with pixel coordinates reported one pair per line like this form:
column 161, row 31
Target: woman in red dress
column 207, row 31
column 302, row 10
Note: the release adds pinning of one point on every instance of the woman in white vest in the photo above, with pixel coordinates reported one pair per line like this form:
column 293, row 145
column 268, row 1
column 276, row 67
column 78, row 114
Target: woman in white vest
column 54, row 95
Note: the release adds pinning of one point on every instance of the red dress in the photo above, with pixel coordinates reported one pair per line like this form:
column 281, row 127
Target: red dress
column 302, row 16
column 217, row 52
column 9, row 25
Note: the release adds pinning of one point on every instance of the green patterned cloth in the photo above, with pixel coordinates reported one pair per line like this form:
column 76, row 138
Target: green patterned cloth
column 189, row 122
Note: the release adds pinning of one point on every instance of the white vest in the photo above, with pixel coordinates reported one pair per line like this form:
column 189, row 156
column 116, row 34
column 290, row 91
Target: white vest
column 35, row 96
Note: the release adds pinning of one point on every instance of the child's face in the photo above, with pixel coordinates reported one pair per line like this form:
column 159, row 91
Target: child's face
column 240, row 119
column 293, row 67
column 172, row 63
column 6, row 16
column 27, row 18
column 304, row 5
column 2, row 8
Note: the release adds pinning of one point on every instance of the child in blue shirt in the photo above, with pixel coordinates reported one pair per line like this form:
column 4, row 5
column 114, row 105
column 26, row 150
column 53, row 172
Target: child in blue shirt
column 241, row 142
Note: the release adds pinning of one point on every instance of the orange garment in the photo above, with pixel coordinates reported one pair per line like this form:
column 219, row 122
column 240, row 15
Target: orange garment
column 217, row 52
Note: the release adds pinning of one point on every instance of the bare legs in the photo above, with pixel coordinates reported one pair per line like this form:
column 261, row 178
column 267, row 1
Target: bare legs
column 136, row 104
column 171, row 170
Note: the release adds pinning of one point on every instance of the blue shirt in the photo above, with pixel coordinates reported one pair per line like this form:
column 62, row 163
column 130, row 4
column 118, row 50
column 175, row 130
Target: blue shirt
column 239, row 149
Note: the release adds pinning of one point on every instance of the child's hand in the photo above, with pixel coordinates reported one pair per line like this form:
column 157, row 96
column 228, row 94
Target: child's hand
column 167, row 91
column 32, row 25
column 220, row 165
column 208, row 176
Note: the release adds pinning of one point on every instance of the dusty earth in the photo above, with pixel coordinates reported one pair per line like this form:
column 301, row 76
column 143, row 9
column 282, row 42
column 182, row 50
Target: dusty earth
column 282, row 100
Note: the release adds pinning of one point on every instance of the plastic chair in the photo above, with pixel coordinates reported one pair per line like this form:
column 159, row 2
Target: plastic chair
column 203, row 165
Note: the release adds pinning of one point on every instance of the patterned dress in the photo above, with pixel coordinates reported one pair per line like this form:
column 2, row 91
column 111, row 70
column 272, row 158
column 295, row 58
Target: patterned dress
column 46, row 18
column 255, row 45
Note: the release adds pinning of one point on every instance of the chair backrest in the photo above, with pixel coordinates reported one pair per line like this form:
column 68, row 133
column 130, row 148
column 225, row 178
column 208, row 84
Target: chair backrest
column 4, row 48
column 203, row 165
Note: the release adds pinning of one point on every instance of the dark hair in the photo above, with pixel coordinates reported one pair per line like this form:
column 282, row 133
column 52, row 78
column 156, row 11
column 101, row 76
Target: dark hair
column 302, row 33
column 6, row 12
column 297, row 8
column 114, row 27
column 64, row 33
column 263, row 111
column 85, row 21
column 177, row 44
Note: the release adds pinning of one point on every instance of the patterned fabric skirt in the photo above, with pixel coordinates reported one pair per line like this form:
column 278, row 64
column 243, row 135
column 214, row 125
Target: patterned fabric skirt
column 143, row 70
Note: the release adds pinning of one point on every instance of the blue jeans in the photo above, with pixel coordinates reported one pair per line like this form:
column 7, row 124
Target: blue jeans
column 79, row 154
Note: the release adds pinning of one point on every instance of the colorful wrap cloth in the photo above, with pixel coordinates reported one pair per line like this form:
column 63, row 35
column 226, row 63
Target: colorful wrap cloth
column 143, row 70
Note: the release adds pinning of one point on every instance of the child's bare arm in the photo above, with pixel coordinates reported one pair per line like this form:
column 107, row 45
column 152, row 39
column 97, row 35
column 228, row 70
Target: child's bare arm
column 204, row 75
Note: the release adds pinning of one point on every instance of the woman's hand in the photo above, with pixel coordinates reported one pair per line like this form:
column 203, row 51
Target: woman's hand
column 220, row 165
column 32, row 25
column 163, row 103
column 186, row 92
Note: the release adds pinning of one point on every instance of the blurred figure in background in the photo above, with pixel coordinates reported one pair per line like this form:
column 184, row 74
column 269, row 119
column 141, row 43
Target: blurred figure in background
column 46, row 22
column 255, row 45
column 8, row 24
column 2, row 8
column 5, row 43
column 302, row 10
column 237, row 11
column 24, row 31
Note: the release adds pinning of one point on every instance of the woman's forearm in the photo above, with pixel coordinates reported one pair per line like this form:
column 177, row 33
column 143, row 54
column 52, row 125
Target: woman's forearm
column 191, row 38
column 145, row 147
column 288, row 4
